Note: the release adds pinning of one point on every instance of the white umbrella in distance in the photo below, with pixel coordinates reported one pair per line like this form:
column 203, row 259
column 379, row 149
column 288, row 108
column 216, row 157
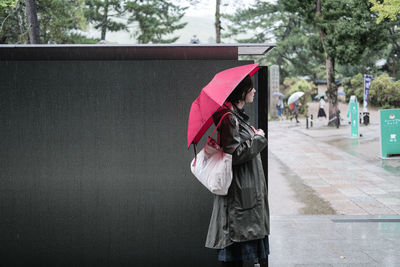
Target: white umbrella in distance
column 278, row 94
column 295, row 97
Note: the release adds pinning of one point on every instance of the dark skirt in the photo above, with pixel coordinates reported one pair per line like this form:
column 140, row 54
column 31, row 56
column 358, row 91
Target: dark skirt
column 321, row 113
column 245, row 251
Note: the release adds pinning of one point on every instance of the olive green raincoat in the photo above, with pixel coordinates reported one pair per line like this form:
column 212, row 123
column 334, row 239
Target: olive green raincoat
column 243, row 214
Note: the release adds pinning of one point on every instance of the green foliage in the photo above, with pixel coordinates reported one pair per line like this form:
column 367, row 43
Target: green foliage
column 346, row 29
column 13, row 24
column 297, row 50
column 59, row 18
column 76, row 38
column 353, row 39
column 157, row 20
column 6, row 4
column 354, row 86
column 102, row 14
column 349, row 27
column 387, row 9
column 299, row 85
column 59, row 21
column 384, row 92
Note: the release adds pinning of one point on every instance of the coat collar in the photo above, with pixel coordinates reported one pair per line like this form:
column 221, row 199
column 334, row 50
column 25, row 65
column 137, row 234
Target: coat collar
column 240, row 112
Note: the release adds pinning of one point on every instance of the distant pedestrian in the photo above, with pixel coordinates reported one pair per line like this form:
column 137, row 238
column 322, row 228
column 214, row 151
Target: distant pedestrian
column 279, row 108
column 321, row 111
column 194, row 40
column 296, row 105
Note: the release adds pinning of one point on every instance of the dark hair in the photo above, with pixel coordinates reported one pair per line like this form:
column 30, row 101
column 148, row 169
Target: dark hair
column 239, row 93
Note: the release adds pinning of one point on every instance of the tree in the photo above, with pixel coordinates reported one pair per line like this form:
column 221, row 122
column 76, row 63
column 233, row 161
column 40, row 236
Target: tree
column 387, row 9
column 60, row 21
column 12, row 22
column 101, row 14
column 393, row 32
column 218, row 14
column 217, row 21
column 297, row 51
column 345, row 28
column 156, row 19
column 388, row 12
column 33, row 24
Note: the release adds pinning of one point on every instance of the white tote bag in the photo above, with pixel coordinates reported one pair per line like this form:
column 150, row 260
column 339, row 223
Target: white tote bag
column 212, row 167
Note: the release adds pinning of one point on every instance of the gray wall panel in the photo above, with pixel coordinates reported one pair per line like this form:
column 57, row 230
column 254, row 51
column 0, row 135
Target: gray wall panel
column 94, row 166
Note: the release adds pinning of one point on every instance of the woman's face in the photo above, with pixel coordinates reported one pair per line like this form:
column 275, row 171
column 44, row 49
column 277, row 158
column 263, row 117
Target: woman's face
column 250, row 96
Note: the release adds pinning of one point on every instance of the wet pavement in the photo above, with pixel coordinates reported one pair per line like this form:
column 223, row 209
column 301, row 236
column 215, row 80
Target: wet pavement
column 335, row 241
column 333, row 200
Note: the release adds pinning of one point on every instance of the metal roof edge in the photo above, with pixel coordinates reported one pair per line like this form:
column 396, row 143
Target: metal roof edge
column 141, row 45
column 131, row 51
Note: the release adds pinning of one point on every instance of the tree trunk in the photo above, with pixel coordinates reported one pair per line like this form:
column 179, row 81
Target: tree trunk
column 105, row 19
column 218, row 21
column 31, row 15
column 21, row 17
column 392, row 32
column 331, row 91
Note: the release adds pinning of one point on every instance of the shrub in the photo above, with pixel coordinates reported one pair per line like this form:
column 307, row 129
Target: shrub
column 384, row 92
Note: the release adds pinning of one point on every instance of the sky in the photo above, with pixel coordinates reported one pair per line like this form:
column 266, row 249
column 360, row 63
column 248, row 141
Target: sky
column 200, row 19
column 207, row 7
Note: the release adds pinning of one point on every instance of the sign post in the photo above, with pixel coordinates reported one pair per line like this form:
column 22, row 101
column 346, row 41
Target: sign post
column 367, row 84
column 354, row 117
column 390, row 132
column 274, row 87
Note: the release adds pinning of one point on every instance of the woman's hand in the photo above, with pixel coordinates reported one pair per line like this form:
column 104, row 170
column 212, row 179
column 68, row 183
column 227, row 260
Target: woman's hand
column 258, row 131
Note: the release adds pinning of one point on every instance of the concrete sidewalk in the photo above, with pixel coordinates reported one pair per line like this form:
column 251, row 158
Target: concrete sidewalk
column 335, row 241
column 324, row 171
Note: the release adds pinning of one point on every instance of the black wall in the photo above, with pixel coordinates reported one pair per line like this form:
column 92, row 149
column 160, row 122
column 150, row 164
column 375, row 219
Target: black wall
column 94, row 169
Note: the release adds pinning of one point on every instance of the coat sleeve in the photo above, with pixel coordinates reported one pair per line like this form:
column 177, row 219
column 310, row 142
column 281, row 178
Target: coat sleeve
column 241, row 150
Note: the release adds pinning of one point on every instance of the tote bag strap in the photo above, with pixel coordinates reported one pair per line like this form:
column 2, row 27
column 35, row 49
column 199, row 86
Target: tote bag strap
column 220, row 122
column 194, row 146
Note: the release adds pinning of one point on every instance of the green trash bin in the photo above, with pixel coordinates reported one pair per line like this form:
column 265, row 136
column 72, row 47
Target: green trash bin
column 390, row 132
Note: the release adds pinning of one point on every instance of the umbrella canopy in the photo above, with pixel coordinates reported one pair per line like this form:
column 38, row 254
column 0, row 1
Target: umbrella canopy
column 323, row 94
column 212, row 97
column 277, row 94
column 319, row 96
column 294, row 97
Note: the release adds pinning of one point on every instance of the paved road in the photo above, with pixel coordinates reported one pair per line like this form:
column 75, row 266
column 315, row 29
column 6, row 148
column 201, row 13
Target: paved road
column 339, row 175
column 333, row 201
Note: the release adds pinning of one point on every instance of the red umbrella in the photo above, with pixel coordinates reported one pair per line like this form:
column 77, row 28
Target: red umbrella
column 212, row 97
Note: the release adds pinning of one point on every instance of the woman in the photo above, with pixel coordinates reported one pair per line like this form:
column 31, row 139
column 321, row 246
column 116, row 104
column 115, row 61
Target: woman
column 239, row 225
